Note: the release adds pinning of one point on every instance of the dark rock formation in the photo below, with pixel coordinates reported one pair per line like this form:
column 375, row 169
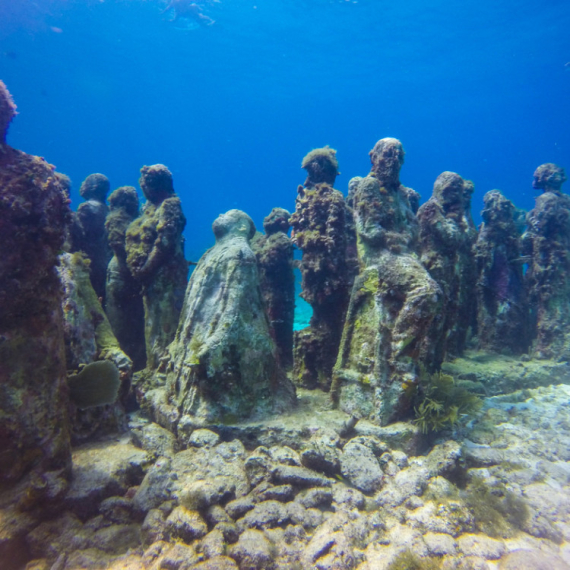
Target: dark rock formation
column 274, row 252
column 223, row 364
column 393, row 302
column 34, row 424
column 320, row 232
column 445, row 251
column 502, row 309
column 547, row 242
column 155, row 257
column 123, row 300
column 88, row 232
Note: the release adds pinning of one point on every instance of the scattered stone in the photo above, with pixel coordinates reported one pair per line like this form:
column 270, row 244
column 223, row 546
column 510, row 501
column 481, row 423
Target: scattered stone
column 203, row 438
column 155, row 440
column 532, row 560
column 253, row 551
column 186, row 525
column 154, row 527
column 199, row 495
column 361, row 468
column 239, row 507
column 298, row 476
column 268, row 514
column 155, row 488
column 282, row 493
column 481, row 545
column 214, row 544
column 216, row 563
column 317, row 497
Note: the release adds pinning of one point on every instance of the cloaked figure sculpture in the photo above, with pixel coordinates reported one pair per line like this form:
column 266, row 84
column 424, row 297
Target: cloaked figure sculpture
column 155, row 257
column 274, row 252
column 123, row 299
column 223, row 362
column 393, row 301
column 34, row 423
column 88, row 232
column 446, row 241
column 547, row 242
column 320, row 231
column 502, row 308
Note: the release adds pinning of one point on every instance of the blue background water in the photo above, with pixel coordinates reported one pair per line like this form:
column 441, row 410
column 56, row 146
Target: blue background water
column 479, row 87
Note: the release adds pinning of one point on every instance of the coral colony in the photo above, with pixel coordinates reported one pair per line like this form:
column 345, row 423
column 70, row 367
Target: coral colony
column 149, row 421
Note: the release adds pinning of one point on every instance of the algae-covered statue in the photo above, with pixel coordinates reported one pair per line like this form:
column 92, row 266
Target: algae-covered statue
column 88, row 232
column 155, row 257
column 393, row 301
column 34, row 424
column 320, row 231
column 547, row 242
column 223, row 365
column 446, row 241
column 274, row 252
column 123, row 299
column 502, row 308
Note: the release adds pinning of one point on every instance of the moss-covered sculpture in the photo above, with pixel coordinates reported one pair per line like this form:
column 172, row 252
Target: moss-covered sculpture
column 274, row 252
column 223, row 365
column 547, row 242
column 123, row 299
column 34, row 424
column 320, row 232
column 446, row 241
column 393, row 301
column 155, row 257
column 88, row 232
column 502, row 305
column 89, row 338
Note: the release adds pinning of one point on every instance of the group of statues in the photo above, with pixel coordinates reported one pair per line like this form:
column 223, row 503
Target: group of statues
column 395, row 289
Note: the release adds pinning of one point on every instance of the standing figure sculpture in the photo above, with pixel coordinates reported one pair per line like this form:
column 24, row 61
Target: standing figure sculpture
column 274, row 252
column 88, row 232
column 223, row 362
column 123, row 299
column 547, row 242
column 502, row 309
column 445, row 247
column 393, row 301
column 155, row 257
column 320, row 232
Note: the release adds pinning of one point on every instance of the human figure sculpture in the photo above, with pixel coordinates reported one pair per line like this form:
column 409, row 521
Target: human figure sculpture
column 34, row 422
column 274, row 252
column 88, row 232
column 502, row 309
column 320, row 231
column 155, row 258
column 393, row 301
column 445, row 244
column 123, row 298
column 223, row 362
column 547, row 242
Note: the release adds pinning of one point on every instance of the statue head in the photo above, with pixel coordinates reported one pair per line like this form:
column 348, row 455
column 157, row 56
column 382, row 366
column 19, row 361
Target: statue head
column 497, row 209
column 7, row 111
column 95, row 187
column 549, row 177
column 449, row 191
column 277, row 221
column 387, row 158
column 156, row 183
column 233, row 223
column 125, row 198
column 321, row 165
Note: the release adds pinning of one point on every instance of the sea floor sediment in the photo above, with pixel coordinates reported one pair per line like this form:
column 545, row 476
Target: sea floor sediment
column 292, row 493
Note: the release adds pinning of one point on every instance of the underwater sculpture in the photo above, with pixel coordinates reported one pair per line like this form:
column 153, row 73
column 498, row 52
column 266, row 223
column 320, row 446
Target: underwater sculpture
column 223, row 363
column 155, row 257
column 88, row 232
column 393, row 301
column 34, row 424
column 502, row 309
column 446, row 240
column 123, row 299
column 320, row 231
column 547, row 242
column 88, row 339
column 274, row 252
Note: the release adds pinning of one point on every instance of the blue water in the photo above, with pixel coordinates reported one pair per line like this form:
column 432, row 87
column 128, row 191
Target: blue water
column 479, row 87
